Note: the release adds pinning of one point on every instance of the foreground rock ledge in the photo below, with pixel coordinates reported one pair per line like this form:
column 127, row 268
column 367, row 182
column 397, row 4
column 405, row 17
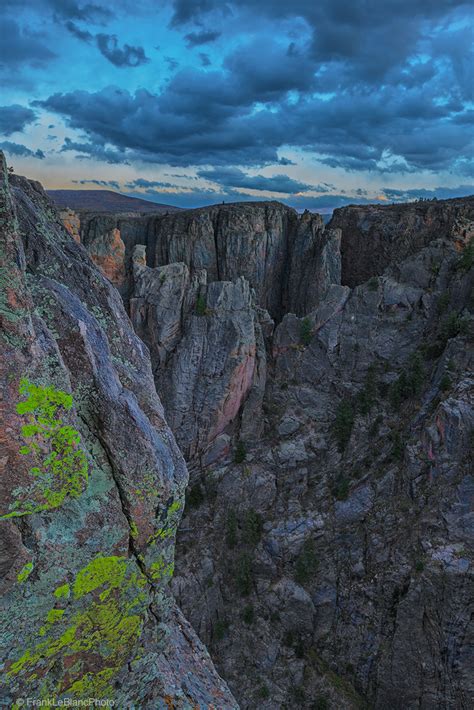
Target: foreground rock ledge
column 85, row 555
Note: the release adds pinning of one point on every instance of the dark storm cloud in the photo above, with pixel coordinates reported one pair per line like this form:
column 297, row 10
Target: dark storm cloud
column 193, row 122
column 109, row 47
column 64, row 9
column 365, row 43
column 371, row 37
column 15, row 118
column 83, row 35
column 141, row 183
column 195, row 39
column 209, row 117
column 440, row 193
column 99, row 152
column 71, row 10
column 101, row 183
column 235, row 178
column 19, row 46
column 21, row 150
column 186, row 10
column 369, row 87
column 125, row 56
column 268, row 69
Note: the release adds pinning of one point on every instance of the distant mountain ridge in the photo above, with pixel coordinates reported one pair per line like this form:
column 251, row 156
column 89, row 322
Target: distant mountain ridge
column 105, row 201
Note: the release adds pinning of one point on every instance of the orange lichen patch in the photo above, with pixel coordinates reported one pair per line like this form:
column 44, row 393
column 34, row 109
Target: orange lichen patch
column 14, row 299
column 112, row 263
column 72, row 223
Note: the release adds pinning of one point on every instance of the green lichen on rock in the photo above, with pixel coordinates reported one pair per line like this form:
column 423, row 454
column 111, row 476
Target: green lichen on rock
column 62, row 591
column 102, row 620
column 109, row 571
column 60, row 468
column 25, row 572
column 161, row 569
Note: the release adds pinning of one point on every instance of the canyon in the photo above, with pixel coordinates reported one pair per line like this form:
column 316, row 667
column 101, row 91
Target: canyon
column 315, row 384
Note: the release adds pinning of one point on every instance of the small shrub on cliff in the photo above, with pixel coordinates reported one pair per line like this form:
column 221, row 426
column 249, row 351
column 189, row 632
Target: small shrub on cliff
column 220, row 629
column 253, row 526
column 409, row 383
column 306, row 563
column 416, row 375
column 293, row 640
column 201, row 307
column 244, row 574
column 466, row 260
column 240, row 452
column 343, row 424
column 321, row 703
column 248, row 614
column 195, row 496
column 419, row 566
column 305, row 331
column 452, row 325
column 298, row 694
column 445, row 382
column 368, row 394
column 398, row 446
column 443, row 302
column 231, row 529
column 340, row 488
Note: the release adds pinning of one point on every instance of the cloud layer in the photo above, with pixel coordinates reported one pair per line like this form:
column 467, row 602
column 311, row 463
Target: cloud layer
column 370, row 90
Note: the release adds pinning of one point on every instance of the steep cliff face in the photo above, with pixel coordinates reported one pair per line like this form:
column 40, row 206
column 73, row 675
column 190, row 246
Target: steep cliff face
column 329, row 564
column 110, row 241
column 375, row 236
column 325, row 554
column 206, row 347
column 202, row 287
column 92, row 485
column 255, row 241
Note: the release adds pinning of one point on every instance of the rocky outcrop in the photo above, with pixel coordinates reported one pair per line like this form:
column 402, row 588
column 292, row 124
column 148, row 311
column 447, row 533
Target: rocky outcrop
column 72, row 223
column 198, row 285
column 329, row 563
column 374, row 236
column 110, row 241
column 266, row 243
column 206, row 347
column 230, row 241
column 92, row 486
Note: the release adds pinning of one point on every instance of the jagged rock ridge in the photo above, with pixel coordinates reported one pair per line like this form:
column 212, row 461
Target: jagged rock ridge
column 333, row 552
column 92, row 486
column 375, row 236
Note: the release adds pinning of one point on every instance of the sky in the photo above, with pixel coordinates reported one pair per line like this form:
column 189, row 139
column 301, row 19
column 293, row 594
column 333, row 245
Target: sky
column 191, row 102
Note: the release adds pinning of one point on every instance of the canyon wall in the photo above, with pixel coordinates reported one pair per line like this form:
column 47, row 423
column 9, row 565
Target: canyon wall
column 92, row 486
column 320, row 383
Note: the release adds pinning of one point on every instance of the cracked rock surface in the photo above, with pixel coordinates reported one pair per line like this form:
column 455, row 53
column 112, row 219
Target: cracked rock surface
column 85, row 564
